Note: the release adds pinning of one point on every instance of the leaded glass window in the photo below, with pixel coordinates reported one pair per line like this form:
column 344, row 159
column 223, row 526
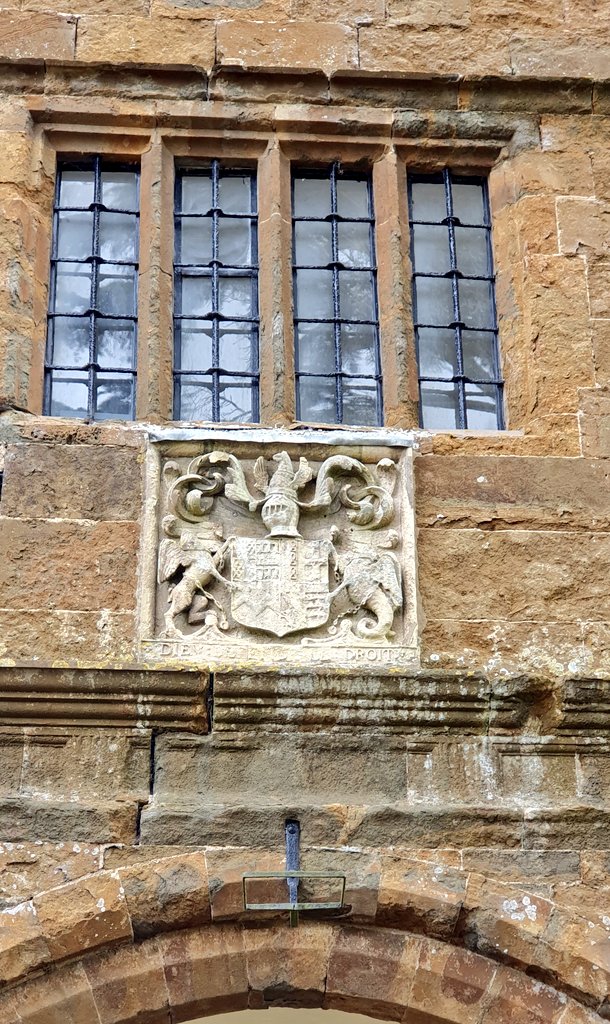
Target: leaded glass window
column 216, row 365
column 454, row 302
column 338, row 375
column 90, row 367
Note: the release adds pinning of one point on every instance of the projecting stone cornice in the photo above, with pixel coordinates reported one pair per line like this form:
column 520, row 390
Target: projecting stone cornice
column 179, row 698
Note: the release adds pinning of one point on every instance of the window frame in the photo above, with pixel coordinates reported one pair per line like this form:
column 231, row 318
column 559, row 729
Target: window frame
column 460, row 379
column 98, row 164
column 273, row 153
column 214, row 270
column 331, row 173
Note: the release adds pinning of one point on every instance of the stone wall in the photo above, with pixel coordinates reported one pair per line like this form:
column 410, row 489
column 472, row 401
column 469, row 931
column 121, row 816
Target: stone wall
column 467, row 796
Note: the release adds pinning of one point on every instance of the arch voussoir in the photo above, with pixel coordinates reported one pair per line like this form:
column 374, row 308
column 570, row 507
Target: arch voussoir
column 197, row 972
column 415, row 903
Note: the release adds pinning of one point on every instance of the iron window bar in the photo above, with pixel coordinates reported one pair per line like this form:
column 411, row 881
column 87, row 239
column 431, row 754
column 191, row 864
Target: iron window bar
column 460, row 379
column 337, row 266
column 93, row 312
column 215, row 270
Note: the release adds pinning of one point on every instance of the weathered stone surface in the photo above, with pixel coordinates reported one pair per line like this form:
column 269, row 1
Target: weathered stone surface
column 75, row 482
column 75, row 566
column 419, row 896
column 306, row 45
column 407, row 49
column 459, row 574
column 223, row 769
column 169, row 893
column 67, row 997
column 83, row 915
column 31, row 36
column 509, row 493
column 34, row 820
column 205, row 972
column 287, row 971
column 22, row 943
column 124, row 979
column 47, row 635
column 358, row 959
column 114, row 40
column 106, row 764
column 29, row 868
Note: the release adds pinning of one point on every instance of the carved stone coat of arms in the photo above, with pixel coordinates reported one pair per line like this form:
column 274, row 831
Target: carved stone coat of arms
column 283, row 558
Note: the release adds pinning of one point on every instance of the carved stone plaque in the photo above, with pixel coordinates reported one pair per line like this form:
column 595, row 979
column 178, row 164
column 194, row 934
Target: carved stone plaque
column 301, row 556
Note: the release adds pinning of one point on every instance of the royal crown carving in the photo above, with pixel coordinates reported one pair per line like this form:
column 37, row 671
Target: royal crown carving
column 284, row 555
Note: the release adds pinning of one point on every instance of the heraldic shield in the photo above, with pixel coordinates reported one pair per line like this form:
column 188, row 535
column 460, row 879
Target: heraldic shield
column 281, row 584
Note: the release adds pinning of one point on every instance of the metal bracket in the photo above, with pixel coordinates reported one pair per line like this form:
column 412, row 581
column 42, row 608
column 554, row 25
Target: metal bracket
column 293, row 876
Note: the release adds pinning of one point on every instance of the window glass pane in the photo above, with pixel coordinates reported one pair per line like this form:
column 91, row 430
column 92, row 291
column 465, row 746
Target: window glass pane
column 98, row 292
column 120, row 190
column 317, row 400
column 118, row 236
column 481, row 406
column 196, row 399
column 235, row 296
column 226, row 247
column 360, row 402
column 455, row 303
column 439, row 403
column 194, row 239
column 76, row 188
column 468, row 203
column 430, row 249
column 359, row 350
column 356, row 295
column 116, row 290
column 354, row 242
column 471, row 250
column 238, row 347
column 437, row 357
column 315, row 348
column 69, row 341
column 235, row 400
column 476, row 303
column 72, row 287
column 68, row 393
column 196, row 193
column 113, row 396
column 428, row 201
column 311, row 197
column 313, row 243
column 344, row 294
column 479, row 354
column 434, row 300
column 234, row 242
column 352, row 198
column 115, row 343
column 195, row 351
column 314, row 294
column 196, row 296
column 74, row 235
column 234, row 194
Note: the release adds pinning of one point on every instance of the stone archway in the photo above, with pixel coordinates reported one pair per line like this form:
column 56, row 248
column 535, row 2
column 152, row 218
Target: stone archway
column 139, row 946
column 384, row 973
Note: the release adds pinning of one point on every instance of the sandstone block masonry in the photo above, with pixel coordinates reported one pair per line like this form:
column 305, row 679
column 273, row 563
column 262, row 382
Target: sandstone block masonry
column 464, row 790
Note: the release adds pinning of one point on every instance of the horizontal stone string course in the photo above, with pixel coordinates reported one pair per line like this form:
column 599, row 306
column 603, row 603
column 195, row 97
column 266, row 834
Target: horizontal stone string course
column 410, row 901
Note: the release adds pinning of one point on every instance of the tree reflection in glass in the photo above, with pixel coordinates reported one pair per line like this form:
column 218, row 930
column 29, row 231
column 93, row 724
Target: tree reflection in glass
column 335, row 302
column 453, row 303
column 91, row 340
column 216, row 295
